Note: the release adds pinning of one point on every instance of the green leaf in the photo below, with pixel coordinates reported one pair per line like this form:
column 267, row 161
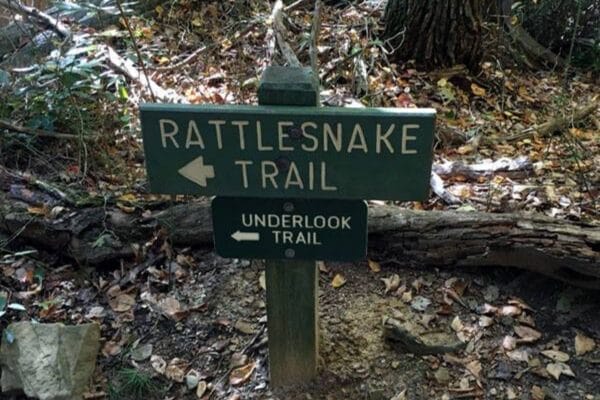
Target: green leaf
column 123, row 95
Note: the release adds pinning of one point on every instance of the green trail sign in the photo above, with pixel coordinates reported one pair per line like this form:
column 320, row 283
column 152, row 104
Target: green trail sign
column 288, row 152
column 290, row 179
column 334, row 230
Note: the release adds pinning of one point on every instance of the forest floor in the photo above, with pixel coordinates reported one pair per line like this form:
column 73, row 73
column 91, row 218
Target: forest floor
column 529, row 337
column 192, row 313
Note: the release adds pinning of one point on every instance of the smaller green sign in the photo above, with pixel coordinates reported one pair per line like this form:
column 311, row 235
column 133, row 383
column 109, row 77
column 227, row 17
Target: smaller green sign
column 334, row 230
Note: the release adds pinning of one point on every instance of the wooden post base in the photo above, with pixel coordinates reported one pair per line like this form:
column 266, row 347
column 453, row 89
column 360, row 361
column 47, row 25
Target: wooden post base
column 292, row 306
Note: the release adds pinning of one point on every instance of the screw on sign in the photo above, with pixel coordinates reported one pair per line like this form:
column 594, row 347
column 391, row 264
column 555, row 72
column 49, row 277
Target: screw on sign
column 290, row 180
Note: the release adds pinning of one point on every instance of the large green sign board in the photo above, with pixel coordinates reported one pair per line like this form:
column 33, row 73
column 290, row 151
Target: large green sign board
column 288, row 152
column 334, row 230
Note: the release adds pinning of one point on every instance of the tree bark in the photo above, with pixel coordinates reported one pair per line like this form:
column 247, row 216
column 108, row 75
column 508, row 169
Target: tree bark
column 564, row 250
column 435, row 33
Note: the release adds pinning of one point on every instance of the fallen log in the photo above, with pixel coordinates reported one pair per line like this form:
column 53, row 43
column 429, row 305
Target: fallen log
column 568, row 251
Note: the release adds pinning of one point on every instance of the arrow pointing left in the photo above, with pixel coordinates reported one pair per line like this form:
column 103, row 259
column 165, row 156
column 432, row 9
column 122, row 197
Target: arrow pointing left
column 197, row 172
column 245, row 236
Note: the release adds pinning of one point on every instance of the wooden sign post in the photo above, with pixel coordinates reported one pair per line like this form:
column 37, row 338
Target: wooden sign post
column 294, row 176
column 292, row 286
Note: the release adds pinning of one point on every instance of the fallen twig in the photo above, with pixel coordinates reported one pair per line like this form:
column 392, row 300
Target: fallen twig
column 314, row 38
column 339, row 63
column 484, row 168
column 294, row 5
column 437, row 185
column 42, row 133
column 278, row 30
column 136, row 48
column 557, row 124
column 38, row 183
column 127, row 68
column 181, row 63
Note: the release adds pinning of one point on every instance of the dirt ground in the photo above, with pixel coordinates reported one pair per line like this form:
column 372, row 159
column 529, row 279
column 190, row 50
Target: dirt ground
column 228, row 319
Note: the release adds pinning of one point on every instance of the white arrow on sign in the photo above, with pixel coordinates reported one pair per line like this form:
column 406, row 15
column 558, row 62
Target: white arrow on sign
column 246, row 236
column 197, row 172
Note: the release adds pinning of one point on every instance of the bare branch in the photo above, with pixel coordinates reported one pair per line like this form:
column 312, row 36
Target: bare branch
column 277, row 31
column 38, row 17
column 127, row 68
column 42, row 133
column 314, row 38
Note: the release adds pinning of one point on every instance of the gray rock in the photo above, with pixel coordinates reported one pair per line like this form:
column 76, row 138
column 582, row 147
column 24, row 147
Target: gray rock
column 48, row 361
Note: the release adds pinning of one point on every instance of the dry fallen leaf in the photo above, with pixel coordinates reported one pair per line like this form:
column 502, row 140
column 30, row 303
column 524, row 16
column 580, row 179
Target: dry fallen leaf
column 96, row 312
column 485, row 322
column 201, row 389
column 374, row 265
column 527, row 334
column 458, row 285
column 465, row 149
column 509, row 343
column 558, row 368
column 518, row 355
column 537, row 393
column 477, row 90
column 556, row 355
column 525, row 319
column 244, row 327
column 391, row 283
column 515, row 301
column 158, row 363
column 241, row 374
column 111, row 349
column 338, row 281
column 122, row 303
column 488, row 309
column 510, row 311
column 238, row 360
column 474, row 367
column 171, row 307
column 583, row 344
column 457, row 324
column 176, row 370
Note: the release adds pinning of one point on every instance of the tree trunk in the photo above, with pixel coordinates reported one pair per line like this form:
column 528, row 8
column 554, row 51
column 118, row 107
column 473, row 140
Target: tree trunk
column 560, row 249
column 435, row 33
